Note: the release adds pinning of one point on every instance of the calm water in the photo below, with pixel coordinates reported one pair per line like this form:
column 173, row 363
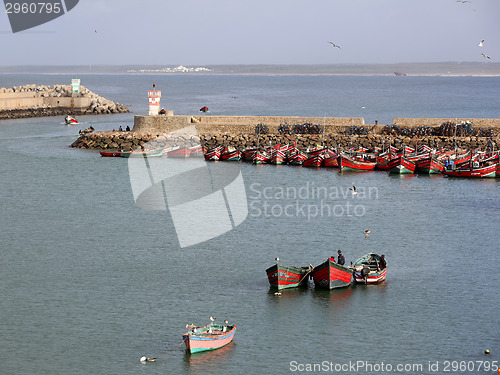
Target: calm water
column 89, row 282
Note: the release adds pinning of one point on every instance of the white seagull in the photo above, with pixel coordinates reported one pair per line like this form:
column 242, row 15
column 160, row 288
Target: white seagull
column 367, row 233
column 486, row 56
column 354, row 192
column 277, row 259
column 335, row 45
column 481, row 43
column 277, row 294
column 212, row 318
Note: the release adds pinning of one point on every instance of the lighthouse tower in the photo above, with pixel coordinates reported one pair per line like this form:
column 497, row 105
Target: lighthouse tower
column 154, row 101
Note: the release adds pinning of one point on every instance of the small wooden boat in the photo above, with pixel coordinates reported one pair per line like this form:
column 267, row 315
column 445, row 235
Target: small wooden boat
column 277, row 156
column 196, row 151
column 214, row 154
column 70, row 120
column 181, row 152
column 296, row 158
column 430, row 165
column 212, row 336
column 347, row 164
column 231, row 155
column 260, row 157
column 401, row 165
column 110, row 153
column 141, row 154
column 331, row 162
column 313, row 161
column 367, row 269
column 282, row 277
column 474, row 171
column 331, row 275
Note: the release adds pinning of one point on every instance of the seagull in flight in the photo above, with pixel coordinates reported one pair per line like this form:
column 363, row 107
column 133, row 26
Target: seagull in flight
column 367, row 233
column 463, row 1
column 481, row 43
column 335, row 45
column 486, row 56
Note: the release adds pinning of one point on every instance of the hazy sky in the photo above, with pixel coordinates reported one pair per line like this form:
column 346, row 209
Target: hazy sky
column 203, row 32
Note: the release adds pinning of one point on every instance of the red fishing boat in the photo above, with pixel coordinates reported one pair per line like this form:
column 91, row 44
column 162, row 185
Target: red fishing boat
column 430, row 165
column 282, row 277
column 231, row 155
column 70, row 120
column 474, row 171
column 296, row 158
column 213, row 154
column 347, row 164
column 196, row 150
column 401, row 165
column 212, row 336
column 260, row 157
column 330, row 275
column 277, row 156
column 181, row 152
column 110, row 153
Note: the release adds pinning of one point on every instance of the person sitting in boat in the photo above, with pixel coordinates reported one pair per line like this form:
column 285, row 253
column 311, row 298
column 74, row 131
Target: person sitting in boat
column 381, row 262
column 340, row 258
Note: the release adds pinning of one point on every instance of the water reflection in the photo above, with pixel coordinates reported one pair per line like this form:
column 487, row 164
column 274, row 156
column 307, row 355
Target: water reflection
column 204, row 361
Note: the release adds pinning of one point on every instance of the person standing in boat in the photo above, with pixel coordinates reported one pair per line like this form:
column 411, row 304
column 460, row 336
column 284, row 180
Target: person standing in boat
column 340, row 258
column 381, row 262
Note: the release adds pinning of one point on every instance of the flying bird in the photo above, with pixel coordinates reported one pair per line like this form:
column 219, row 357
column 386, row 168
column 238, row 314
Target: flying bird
column 335, row 45
column 481, row 43
column 463, row 1
column 354, row 192
column 486, row 56
column 367, row 233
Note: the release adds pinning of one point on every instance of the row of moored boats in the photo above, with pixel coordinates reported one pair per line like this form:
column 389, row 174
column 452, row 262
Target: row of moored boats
column 405, row 160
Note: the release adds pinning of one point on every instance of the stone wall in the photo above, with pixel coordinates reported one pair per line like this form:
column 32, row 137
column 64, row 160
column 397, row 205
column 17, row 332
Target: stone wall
column 238, row 124
column 33, row 101
column 476, row 122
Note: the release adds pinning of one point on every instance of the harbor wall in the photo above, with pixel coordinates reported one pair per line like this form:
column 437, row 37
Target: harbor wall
column 237, row 124
column 415, row 122
column 34, row 101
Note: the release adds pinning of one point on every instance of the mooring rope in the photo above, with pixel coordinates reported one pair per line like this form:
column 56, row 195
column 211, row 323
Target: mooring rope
column 173, row 350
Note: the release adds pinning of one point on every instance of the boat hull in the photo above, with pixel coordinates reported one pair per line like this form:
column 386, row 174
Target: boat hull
column 196, row 343
column 330, row 275
column 283, row 277
column 482, row 172
column 401, row 165
column 350, row 165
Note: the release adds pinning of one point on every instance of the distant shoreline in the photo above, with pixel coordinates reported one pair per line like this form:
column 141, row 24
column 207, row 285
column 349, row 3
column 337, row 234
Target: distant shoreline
column 447, row 69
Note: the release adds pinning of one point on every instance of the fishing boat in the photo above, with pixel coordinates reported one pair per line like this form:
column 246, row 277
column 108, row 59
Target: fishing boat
column 331, row 275
column 70, row 120
column 181, row 152
column 331, row 162
column 141, row 153
column 401, row 165
column 314, row 160
column 210, row 337
column 283, row 277
column 231, row 155
column 367, row 269
column 196, row 151
column 110, row 153
column 278, row 156
column 353, row 164
column 474, row 171
column 296, row 158
column 430, row 165
column 260, row 157
column 214, row 154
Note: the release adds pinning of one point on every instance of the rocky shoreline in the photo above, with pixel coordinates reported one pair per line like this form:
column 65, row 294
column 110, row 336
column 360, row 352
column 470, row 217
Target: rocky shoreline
column 41, row 100
column 109, row 140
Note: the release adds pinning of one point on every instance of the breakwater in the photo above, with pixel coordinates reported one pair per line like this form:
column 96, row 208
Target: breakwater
column 108, row 140
column 240, row 132
column 40, row 100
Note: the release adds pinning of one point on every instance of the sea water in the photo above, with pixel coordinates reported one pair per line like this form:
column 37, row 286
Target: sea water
column 89, row 282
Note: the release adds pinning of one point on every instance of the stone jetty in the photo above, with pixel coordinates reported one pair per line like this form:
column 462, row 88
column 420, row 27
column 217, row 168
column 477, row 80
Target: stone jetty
column 40, row 100
column 240, row 132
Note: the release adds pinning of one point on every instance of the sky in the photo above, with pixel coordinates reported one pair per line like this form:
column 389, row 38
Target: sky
column 210, row 32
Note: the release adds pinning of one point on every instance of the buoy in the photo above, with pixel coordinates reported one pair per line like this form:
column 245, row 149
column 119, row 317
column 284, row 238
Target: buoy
column 486, row 351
